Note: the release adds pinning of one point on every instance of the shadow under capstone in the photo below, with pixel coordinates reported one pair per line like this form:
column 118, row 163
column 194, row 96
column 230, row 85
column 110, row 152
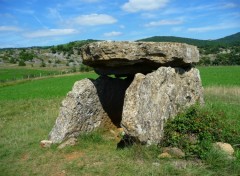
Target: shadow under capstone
column 111, row 93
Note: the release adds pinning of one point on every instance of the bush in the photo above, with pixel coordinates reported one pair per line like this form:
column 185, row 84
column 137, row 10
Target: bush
column 57, row 61
column 195, row 130
column 42, row 64
column 85, row 68
column 73, row 69
column 12, row 60
column 26, row 56
column 21, row 63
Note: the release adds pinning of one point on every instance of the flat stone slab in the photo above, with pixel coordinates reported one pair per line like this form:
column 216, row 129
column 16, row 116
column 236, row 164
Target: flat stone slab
column 129, row 58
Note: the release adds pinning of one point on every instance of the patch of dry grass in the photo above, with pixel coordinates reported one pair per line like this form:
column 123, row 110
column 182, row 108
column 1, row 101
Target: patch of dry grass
column 223, row 91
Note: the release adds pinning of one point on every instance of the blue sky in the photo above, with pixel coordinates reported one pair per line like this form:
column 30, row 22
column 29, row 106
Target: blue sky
column 41, row 22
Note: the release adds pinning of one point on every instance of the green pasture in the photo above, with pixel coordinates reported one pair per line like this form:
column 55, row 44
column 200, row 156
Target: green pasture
column 23, row 73
column 28, row 111
column 43, row 88
column 59, row 86
column 220, row 75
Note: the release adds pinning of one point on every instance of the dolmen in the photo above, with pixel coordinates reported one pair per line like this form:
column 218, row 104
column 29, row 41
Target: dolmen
column 140, row 86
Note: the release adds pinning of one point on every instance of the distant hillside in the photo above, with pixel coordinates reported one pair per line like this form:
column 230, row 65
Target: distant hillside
column 176, row 39
column 234, row 39
column 229, row 40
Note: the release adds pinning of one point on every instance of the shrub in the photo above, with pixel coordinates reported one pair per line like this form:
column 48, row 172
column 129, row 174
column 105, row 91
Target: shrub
column 12, row 60
column 42, row 64
column 195, row 130
column 57, row 61
column 74, row 69
column 85, row 68
column 21, row 63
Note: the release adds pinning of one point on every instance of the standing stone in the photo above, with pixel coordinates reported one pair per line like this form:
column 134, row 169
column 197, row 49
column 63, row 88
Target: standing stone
column 153, row 98
column 80, row 111
column 90, row 105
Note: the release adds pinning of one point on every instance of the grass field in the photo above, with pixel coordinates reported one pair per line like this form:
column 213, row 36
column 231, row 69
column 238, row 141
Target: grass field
column 23, row 73
column 28, row 111
column 220, row 76
column 44, row 88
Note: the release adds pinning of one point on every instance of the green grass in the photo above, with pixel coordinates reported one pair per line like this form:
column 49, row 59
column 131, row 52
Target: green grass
column 43, row 88
column 28, row 122
column 220, row 76
column 23, row 73
column 28, row 112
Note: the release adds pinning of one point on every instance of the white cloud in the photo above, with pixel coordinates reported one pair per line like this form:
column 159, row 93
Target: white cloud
column 92, row 20
column 213, row 27
column 144, row 5
column 217, row 6
column 163, row 23
column 50, row 33
column 122, row 26
column 228, row 5
column 25, row 11
column 54, row 13
column 9, row 29
column 90, row 1
column 148, row 15
column 177, row 29
column 112, row 34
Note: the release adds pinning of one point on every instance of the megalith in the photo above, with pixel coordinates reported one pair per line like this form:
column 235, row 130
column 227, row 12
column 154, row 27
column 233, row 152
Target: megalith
column 153, row 98
column 153, row 82
column 91, row 104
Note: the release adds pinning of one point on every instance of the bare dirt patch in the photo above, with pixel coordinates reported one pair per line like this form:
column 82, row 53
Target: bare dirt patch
column 73, row 155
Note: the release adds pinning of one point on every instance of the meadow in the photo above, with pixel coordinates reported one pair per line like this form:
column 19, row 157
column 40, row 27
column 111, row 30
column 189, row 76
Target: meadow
column 16, row 73
column 29, row 109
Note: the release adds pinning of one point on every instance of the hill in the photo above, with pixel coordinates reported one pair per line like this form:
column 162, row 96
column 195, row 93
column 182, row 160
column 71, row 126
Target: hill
column 231, row 40
column 190, row 41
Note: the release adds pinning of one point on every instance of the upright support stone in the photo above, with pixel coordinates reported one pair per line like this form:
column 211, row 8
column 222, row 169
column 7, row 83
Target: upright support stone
column 90, row 105
column 153, row 98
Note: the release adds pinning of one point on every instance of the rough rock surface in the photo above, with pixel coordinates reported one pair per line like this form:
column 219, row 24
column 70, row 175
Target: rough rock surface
column 125, row 58
column 46, row 143
column 91, row 104
column 174, row 151
column 227, row 148
column 164, row 155
column 68, row 142
column 153, row 98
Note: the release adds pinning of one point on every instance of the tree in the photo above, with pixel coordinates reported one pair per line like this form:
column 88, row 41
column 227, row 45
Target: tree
column 21, row 63
column 26, row 56
column 12, row 60
column 205, row 61
column 42, row 64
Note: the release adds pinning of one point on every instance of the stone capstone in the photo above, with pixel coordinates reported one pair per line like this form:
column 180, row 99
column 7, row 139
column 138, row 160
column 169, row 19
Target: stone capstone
column 153, row 98
column 90, row 105
column 129, row 58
